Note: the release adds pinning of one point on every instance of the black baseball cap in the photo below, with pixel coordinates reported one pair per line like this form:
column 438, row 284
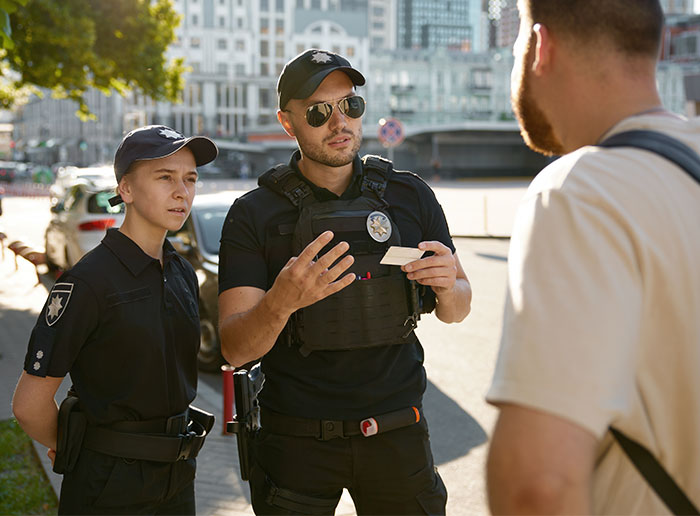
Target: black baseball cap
column 302, row 75
column 155, row 142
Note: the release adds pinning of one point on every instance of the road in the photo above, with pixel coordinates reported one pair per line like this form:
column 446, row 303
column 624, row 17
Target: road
column 459, row 358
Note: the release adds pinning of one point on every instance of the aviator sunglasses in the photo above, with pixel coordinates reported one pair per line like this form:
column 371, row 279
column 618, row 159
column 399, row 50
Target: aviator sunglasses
column 319, row 114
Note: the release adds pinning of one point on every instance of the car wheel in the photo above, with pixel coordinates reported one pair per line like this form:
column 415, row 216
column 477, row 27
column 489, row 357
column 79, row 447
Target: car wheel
column 209, row 357
column 53, row 267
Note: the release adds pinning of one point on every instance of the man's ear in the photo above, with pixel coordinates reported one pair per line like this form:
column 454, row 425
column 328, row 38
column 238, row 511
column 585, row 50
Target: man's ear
column 543, row 49
column 283, row 118
column 125, row 189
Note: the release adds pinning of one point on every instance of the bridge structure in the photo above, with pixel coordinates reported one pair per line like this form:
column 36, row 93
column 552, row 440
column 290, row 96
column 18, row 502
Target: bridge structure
column 470, row 149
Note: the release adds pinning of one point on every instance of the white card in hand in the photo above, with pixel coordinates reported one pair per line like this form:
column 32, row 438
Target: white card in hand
column 401, row 255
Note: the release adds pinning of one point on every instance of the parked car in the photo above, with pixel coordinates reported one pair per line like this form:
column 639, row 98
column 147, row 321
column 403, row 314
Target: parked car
column 68, row 176
column 80, row 220
column 198, row 242
column 8, row 170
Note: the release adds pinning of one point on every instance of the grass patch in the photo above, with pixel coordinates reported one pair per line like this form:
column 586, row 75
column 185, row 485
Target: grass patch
column 23, row 483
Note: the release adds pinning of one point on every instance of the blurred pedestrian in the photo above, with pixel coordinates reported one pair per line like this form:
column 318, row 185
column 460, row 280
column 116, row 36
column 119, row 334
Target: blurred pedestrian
column 123, row 322
column 601, row 335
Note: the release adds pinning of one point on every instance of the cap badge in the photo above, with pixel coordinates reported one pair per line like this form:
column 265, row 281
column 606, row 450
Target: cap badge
column 169, row 133
column 320, row 57
column 378, row 226
column 59, row 297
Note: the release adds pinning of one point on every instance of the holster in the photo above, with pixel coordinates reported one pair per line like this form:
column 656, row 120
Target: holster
column 201, row 418
column 71, row 431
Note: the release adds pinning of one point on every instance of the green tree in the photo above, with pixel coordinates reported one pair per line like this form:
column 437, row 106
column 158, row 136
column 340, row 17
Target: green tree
column 69, row 46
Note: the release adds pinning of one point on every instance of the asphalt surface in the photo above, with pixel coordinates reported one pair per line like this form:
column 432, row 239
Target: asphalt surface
column 459, row 357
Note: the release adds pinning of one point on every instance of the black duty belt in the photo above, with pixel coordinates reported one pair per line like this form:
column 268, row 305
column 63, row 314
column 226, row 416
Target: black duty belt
column 167, row 440
column 326, row 429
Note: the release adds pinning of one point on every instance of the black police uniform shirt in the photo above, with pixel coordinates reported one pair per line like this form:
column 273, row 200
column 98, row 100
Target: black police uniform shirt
column 125, row 328
column 350, row 384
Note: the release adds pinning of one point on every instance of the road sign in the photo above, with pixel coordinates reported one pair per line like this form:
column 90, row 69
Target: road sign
column 390, row 132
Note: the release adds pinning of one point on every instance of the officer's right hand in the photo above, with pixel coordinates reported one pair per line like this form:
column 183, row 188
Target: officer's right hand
column 303, row 281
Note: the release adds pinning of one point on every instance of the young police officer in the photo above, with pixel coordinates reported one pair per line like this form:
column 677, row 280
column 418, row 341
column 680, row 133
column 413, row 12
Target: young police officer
column 335, row 332
column 124, row 323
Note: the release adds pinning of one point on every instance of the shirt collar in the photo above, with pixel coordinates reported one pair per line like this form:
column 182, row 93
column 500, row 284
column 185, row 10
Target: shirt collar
column 323, row 194
column 130, row 254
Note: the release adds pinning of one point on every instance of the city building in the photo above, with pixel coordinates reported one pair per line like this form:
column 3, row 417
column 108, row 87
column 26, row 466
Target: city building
column 678, row 6
column 432, row 87
column 433, row 24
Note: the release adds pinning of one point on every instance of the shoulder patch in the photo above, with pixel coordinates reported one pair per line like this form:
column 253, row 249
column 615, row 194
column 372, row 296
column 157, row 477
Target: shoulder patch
column 58, row 301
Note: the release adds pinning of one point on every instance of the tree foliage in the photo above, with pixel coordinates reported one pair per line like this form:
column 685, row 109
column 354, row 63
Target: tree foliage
column 69, row 46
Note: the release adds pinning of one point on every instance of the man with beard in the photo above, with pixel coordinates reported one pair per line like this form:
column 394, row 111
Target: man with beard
column 601, row 335
column 302, row 288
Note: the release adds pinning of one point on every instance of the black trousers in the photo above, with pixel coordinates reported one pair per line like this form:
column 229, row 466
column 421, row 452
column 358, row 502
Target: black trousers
column 100, row 484
column 389, row 473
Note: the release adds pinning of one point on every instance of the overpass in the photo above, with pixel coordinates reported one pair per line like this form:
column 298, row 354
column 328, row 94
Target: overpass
column 470, row 149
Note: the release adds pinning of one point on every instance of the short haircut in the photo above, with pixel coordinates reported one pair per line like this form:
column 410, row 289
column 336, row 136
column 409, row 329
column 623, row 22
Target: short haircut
column 632, row 27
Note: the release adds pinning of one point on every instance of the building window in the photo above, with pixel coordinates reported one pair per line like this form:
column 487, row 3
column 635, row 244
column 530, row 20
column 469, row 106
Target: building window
column 240, row 69
column 240, row 23
column 336, row 49
column 264, row 26
column 264, row 69
column 194, row 20
column 264, row 5
column 279, row 6
column 279, row 26
column 300, row 48
column 195, row 66
column 221, row 44
column 264, row 95
column 222, row 21
column 350, row 51
column 222, row 68
column 195, row 42
column 378, row 11
column 378, row 25
column 240, row 44
column 315, row 4
column 264, row 48
column 300, row 4
column 279, row 49
column 278, row 68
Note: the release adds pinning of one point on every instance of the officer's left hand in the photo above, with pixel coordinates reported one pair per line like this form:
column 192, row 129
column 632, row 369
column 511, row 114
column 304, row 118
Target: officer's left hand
column 438, row 271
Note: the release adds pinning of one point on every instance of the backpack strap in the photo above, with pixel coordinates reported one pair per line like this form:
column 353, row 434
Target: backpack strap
column 659, row 143
column 283, row 180
column 655, row 475
column 375, row 175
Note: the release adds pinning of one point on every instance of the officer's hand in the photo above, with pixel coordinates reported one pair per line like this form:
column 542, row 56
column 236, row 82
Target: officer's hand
column 52, row 455
column 304, row 281
column 439, row 271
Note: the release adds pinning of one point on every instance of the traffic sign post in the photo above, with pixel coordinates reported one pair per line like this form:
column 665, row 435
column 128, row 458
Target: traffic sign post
column 390, row 134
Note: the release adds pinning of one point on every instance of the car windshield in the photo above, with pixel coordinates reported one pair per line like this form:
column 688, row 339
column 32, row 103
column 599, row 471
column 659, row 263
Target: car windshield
column 210, row 220
column 99, row 203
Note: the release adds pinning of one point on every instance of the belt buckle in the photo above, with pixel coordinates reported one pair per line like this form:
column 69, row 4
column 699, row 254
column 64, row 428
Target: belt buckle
column 331, row 430
column 186, row 442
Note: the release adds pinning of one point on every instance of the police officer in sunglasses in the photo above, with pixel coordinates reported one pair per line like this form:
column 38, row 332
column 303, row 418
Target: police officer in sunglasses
column 305, row 288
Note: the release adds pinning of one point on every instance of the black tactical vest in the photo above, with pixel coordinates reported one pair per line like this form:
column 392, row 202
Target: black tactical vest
column 382, row 306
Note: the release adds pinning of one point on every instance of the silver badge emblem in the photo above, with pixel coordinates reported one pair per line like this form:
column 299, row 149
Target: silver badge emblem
column 320, row 57
column 379, row 226
column 58, row 301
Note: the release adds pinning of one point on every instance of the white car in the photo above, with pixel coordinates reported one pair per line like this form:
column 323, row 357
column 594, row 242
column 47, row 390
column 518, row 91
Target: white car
column 68, row 176
column 80, row 220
